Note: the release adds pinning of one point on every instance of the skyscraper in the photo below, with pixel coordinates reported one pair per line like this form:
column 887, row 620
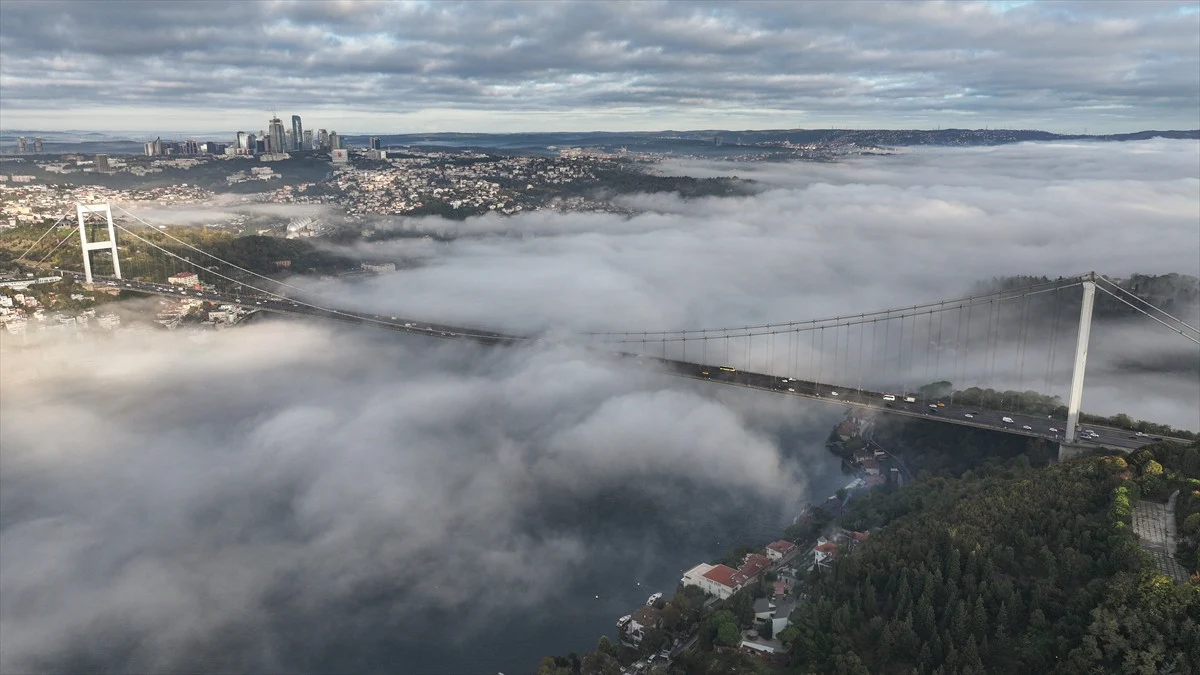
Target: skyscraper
column 23, row 145
column 37, row 145
column 298, row 134
column 251, row 144
column 334, row 141
column 242, row 145
column 307, row 143
column 276, row 136
column 102, row 163
column 289, row 141
column 323, row 139
column 373, row 142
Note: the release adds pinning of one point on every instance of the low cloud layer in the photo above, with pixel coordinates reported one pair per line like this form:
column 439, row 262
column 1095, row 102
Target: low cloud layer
column 162, row 494
column 824, row 240
column 512, row 66
column 169, row 501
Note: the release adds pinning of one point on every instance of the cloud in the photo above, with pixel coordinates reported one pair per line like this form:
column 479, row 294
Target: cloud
column 519, row 66
column 822, row 240
column 289, row 494
column 270, row 476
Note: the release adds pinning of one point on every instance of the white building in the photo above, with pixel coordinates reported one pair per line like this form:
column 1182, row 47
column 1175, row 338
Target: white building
column 778, row 550
column 108, row 321
column 379, row 268
column 715, row 580
column 188, row 279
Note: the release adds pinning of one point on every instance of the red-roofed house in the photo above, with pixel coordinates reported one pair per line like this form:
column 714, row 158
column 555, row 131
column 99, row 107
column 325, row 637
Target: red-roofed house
column 871, row 466
column 717, row 580
column 778, row 550
column 753, row 565
column 824, row 552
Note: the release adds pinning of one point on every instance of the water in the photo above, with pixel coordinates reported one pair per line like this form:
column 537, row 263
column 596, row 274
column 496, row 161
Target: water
column 640, row 540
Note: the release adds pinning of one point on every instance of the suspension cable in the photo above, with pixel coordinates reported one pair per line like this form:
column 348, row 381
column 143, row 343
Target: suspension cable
column 39, row 239
column 1145, row 302
column 1139, row 309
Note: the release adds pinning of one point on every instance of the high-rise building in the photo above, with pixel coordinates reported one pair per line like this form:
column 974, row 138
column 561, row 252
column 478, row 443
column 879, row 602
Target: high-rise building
column 322, row 139
column 241, row 141
column 154, row 148
column 298, row 134
column 276, row 136
column 22, row 145
column 37, row 145
column 102, row 163
column 307, row 142
column 334, row 142
column 289, row 143
column 190, row 147
column 373, row 142
column 250, row 144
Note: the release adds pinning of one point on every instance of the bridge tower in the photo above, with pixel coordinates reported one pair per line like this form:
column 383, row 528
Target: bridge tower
column 85, row 211
column 1081, row 349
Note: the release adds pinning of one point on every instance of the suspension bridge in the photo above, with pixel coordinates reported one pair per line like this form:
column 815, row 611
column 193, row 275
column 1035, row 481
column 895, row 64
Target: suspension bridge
column 1016, row 346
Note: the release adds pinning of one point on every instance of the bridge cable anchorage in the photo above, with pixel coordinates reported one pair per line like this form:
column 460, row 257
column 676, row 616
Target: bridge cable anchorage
column 39, row 239
column 1155, row 318
column 1144, row 302
column 276, row 296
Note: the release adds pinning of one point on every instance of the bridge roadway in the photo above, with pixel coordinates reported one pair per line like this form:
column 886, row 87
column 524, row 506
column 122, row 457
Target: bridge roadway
column 940, row 410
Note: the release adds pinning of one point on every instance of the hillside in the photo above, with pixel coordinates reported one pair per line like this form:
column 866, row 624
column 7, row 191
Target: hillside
column 1015, row 571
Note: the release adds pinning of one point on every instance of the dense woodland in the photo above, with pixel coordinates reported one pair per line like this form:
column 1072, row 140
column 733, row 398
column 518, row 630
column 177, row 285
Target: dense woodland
column 992, row 562
column 1021, row 571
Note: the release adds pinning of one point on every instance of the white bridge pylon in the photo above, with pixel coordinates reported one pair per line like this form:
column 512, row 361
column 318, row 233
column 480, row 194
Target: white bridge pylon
column 84, row 211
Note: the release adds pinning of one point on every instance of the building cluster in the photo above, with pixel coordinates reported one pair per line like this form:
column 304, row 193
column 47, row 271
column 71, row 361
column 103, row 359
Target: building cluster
column 24, row 147
column 38, row 202
column 275, row 139
column 174, row 313
column 278, row 138
column 23, row 311
column 458, row 180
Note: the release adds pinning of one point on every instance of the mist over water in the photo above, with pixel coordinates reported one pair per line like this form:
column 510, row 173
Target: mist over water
column 290, row 496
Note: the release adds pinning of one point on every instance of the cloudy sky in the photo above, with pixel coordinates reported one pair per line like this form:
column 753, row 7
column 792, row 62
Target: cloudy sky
column 503, row 66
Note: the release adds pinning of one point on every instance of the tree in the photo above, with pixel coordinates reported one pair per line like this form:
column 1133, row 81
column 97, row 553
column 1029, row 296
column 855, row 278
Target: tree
column 605, row 646
column 728, row 634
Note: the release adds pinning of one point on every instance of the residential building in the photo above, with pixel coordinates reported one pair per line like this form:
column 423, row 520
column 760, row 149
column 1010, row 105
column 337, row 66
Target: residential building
column 379, row 268
column 102, row 163
column 188, row 279
column 715, row 580
column 778, row 550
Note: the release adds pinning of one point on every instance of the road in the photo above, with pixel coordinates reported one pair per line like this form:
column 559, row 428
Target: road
column 935, row 409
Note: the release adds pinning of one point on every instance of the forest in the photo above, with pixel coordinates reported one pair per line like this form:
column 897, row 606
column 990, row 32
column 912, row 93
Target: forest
column 988, row 563
column 1016, row 571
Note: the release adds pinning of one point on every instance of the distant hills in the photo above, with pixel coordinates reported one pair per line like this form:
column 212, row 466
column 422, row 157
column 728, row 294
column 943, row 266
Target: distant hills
column 709, row 141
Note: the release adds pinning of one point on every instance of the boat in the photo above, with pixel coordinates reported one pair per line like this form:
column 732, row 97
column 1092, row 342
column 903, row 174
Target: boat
column 653, row 599
column 623, row 620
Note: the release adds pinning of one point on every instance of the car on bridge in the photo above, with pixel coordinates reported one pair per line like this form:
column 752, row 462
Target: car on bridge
column 889, row 397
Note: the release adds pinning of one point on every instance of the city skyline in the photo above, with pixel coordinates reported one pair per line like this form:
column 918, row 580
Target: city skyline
column 517, row 67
